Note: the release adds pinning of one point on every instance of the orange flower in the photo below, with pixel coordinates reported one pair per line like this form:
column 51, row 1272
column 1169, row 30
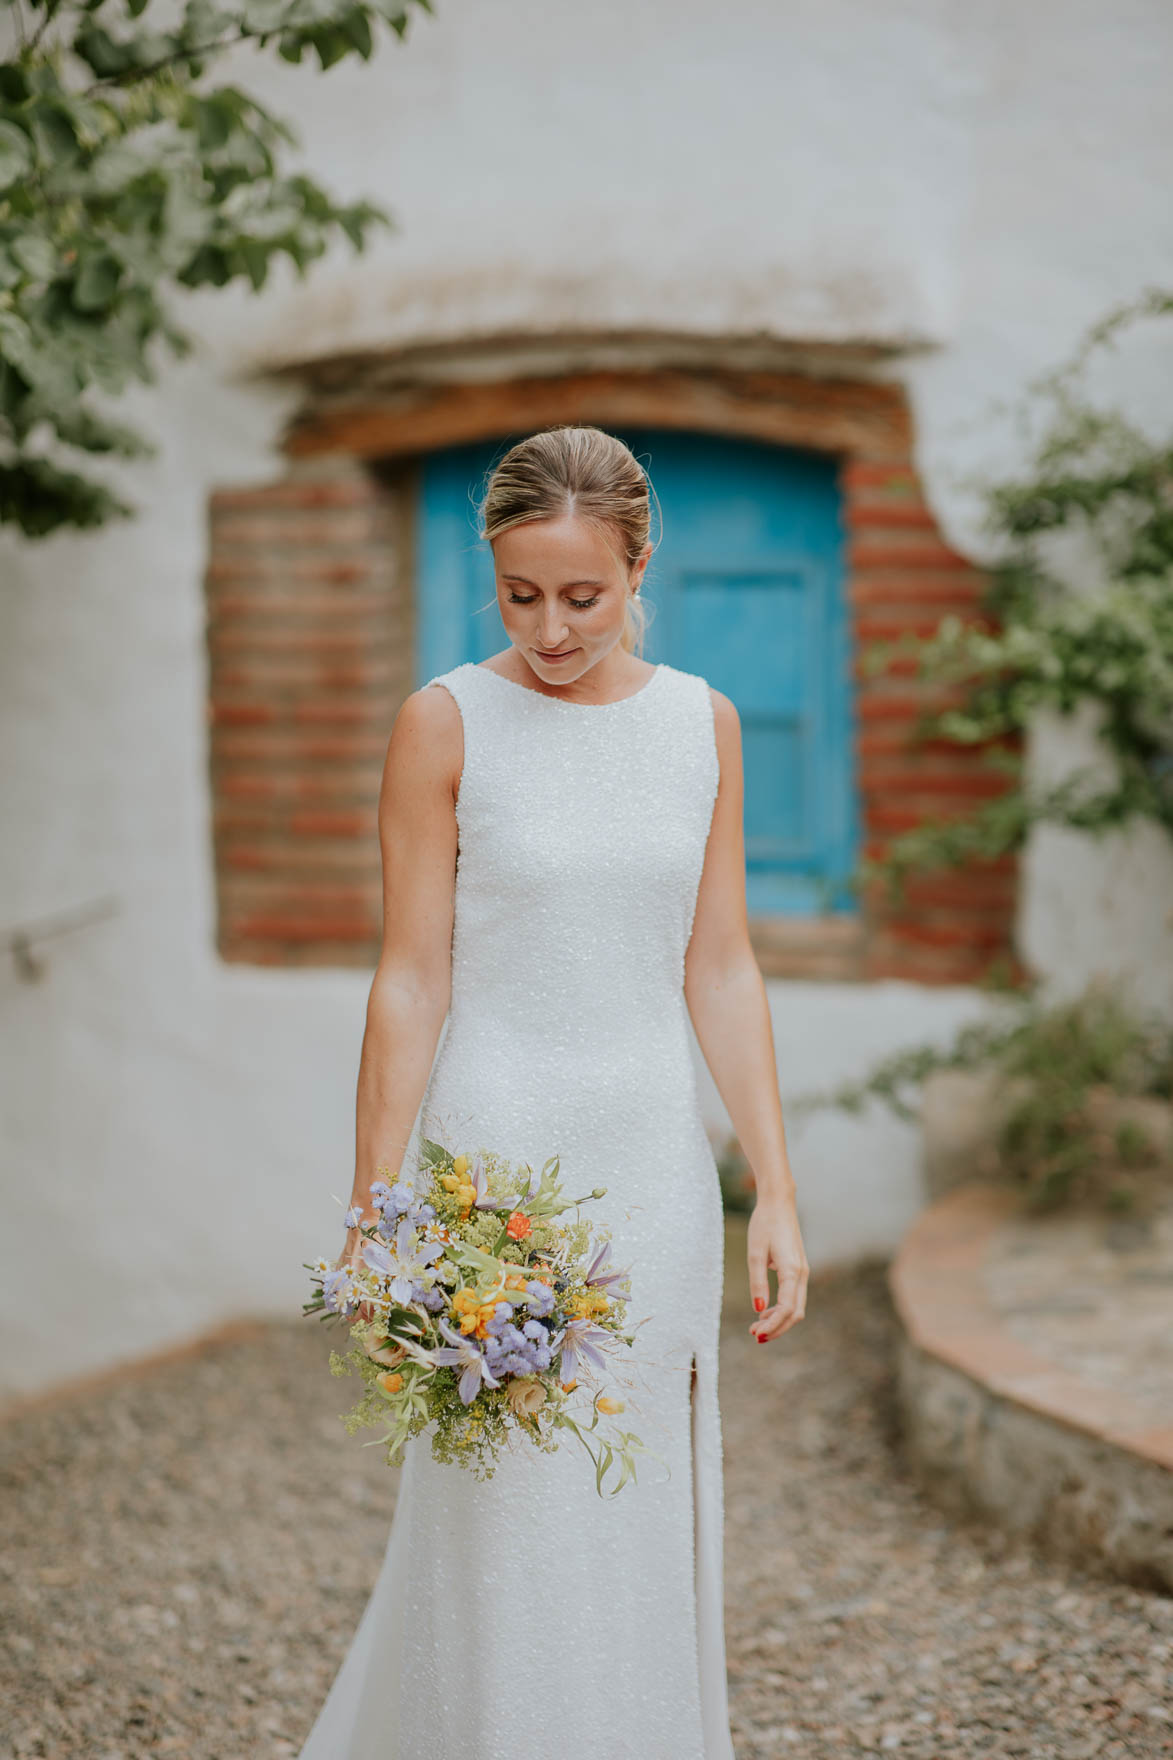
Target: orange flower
column 518, row 1226
column 391, row 1383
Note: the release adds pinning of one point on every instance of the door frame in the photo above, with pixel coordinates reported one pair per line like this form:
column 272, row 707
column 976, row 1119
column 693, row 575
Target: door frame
column 365, row 419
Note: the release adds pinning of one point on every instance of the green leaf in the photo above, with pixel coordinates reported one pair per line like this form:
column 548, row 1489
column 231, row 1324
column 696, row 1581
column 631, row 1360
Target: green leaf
column 103, row 54
column 39, row 498
column 16, row 153
column 357, row 28
column 36, row 255
column 214, row 122
column 14, row 86
column 255, row 259
column 330, row 44
column 96, row 283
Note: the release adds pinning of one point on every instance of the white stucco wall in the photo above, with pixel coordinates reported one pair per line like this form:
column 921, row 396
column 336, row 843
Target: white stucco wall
column 172, row 1129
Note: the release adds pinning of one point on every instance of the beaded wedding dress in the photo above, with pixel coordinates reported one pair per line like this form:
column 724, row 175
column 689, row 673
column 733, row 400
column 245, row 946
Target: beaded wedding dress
column 525, row 1617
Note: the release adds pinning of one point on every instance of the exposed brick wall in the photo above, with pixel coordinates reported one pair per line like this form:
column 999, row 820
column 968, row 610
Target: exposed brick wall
column 311, row 647
column 310, row 653
column 902, row 579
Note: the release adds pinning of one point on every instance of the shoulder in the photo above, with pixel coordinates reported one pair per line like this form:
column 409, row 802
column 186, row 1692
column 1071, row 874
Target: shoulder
column 427, row 735
column 726, row 721
column 430, row 709
column 726, row 736
column 725, row 717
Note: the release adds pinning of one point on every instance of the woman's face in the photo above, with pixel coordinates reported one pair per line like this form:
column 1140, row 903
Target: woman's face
column 562, row 586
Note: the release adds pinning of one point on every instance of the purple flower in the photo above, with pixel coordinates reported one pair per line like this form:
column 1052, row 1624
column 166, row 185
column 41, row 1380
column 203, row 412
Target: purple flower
column 403, row 1261
column 480, row 1185
column 470, row 1357
column 541, row 1298
column 598, row 1274
column 581, row 1339
column 336, row 1290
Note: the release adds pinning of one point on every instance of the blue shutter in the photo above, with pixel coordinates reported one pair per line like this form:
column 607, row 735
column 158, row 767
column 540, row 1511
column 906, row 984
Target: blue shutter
column 746, row 589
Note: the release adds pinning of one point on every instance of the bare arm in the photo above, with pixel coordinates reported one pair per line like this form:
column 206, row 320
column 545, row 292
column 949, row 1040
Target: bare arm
column 412, row 984
column 726, row 999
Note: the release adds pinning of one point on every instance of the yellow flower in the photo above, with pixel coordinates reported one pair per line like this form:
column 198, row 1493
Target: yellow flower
column 587, row 1302
column 465, row 1300
column 465, row 1195
column 460, row 1165
column 469, row 1323
column 450, row 1181
column 609, row 1405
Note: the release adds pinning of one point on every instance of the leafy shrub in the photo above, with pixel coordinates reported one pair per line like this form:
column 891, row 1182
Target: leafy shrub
column 1060, row 1071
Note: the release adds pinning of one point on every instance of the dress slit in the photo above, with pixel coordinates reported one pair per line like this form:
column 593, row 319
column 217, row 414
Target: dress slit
column 708, row 1523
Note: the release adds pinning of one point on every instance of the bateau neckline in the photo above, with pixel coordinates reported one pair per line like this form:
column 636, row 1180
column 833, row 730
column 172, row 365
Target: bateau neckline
column 564, row 703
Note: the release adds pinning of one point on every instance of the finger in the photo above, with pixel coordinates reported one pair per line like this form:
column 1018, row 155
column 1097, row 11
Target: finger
column 769, row 1326
column 759, row 1280
column 784, row 1314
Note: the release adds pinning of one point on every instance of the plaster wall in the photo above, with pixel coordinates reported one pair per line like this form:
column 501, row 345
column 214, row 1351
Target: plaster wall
column 921, row 173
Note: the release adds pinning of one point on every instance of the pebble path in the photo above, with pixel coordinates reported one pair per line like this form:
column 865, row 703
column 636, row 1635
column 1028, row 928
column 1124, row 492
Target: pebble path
column 185, row 1558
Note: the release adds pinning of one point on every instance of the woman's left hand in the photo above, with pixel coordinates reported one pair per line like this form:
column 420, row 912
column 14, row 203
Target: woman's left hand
column 775, row 1240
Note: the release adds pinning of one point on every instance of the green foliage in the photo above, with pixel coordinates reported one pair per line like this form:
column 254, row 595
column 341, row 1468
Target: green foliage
column 124, row 176
column 1058, row 1070
column 1052, row 645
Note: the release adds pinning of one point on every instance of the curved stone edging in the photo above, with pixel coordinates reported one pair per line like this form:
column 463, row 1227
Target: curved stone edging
column 995, row 1428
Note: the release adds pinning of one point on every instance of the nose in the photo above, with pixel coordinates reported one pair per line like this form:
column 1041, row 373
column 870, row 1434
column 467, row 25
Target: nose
column 551, row 636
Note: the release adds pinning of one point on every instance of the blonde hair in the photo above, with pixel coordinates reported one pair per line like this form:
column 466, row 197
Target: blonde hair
column 582, row 471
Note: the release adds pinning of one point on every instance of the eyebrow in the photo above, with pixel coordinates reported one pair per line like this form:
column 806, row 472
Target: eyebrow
column 526, row 582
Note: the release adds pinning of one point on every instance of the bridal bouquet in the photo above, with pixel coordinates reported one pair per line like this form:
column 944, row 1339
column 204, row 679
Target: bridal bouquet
column 487, row 1308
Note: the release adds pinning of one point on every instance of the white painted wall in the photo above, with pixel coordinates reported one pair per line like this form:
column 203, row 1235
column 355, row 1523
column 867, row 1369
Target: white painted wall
column 976, row 179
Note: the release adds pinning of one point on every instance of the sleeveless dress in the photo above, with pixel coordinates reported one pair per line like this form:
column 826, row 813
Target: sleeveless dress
column 524, row 1616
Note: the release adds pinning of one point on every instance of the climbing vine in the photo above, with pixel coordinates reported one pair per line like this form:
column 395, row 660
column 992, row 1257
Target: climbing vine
column 1048, row 642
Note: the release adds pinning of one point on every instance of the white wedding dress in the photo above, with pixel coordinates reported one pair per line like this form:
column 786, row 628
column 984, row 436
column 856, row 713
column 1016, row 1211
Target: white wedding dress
column 525, row 1617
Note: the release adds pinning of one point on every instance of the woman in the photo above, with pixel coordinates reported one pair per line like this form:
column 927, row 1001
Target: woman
column 561, row 829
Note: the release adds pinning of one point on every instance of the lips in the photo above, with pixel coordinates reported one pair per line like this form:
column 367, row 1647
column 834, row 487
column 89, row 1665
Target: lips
column 543, row 654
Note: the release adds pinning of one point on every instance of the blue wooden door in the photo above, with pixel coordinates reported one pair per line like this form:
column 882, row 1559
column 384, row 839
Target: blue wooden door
column 746, row 588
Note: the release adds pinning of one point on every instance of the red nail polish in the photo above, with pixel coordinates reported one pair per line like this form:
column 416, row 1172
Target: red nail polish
column 761, row 1337
column 758, row 1304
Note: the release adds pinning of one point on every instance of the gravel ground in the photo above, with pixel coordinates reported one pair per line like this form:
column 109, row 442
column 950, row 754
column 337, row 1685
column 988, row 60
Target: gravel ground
column 186, row 1557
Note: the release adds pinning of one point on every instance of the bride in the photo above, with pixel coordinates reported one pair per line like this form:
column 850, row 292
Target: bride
column 564, row 889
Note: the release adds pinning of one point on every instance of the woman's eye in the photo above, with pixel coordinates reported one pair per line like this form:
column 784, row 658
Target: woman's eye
column 579, row 604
